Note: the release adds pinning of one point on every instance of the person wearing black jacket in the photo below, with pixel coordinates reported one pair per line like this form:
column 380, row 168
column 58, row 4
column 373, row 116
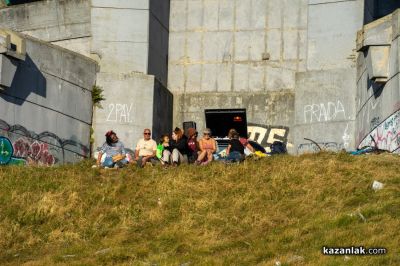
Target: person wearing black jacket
column 179, row 147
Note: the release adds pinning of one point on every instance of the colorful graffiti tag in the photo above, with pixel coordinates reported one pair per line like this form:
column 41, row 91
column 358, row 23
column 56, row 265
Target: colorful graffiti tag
column 45, row 148
column 7, row 153
column 386, row 135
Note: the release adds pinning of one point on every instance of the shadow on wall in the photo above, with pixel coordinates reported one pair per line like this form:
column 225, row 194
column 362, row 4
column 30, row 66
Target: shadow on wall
column 27, row 79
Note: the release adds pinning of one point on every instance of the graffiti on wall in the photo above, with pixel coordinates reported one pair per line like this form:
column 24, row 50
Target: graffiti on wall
column 324, row 112
column 7, row 156
column 119, row 113
column 266, row 135
column 45, row 148
column 386, row 134
column 327, row 146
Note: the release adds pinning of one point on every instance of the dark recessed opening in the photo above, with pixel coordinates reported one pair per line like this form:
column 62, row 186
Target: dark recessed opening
column 220, row 121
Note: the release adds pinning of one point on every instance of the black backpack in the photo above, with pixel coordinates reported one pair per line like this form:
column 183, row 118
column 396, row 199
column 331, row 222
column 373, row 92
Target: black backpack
column 278, row 148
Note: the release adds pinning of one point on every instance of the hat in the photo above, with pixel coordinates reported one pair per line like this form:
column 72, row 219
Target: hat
column 207, row 130
column 191, row 131
column 109, row 133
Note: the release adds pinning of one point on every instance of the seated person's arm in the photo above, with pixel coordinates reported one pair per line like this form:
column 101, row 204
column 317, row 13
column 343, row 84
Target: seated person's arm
column 228, row 149
column 136, row 154
column 248, row 146
column 99, row 158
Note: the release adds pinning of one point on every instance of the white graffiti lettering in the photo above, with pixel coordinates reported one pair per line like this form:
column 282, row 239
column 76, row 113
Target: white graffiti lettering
column 324, row 112
column 119, row 113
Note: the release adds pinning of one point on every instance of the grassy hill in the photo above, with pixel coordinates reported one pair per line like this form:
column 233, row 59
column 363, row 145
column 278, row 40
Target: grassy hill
column 278, row 210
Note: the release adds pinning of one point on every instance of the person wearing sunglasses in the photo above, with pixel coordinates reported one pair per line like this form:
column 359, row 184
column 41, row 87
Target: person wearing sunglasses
column 207, row 147
column 146, row 149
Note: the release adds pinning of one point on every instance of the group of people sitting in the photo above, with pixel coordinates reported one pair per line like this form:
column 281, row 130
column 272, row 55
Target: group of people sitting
column 179, row 149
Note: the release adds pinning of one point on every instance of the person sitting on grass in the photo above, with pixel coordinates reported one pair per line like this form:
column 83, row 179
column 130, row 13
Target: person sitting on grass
column 193, row 145
column 179, row 147
column 114, row 151
column 244, row 141
column 235, row 149
column 164, row 150
column 145, row 149
column 208, row 147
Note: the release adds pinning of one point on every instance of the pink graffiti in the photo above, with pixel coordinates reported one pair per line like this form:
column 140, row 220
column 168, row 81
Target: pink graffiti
column 386, row 135
column 36, row 151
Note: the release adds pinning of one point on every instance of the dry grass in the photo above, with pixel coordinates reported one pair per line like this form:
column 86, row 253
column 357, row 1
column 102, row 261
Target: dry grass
column 276, row 209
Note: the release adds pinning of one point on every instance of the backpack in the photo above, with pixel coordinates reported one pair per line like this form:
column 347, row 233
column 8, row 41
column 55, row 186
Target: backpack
column 278, row 148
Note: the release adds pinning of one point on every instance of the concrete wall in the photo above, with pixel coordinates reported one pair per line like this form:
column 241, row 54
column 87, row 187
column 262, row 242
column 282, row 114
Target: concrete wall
column 65, row 23
column 325, row 94
column 122, row 43
column 236, row 54
column 378, row 85
column 46, row 112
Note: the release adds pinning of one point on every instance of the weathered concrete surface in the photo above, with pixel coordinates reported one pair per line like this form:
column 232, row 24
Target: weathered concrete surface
column 64, row 23
column 47, row 110
column 128, row 106
column 378, row 103
column 325, row 109
column 52, row 20
column 130, row 39
column 332, row 31
column 265, row 111
column 219, row 45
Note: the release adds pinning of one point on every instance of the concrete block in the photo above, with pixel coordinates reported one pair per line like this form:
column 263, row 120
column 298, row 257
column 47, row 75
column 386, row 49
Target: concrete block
column 176, row 78
column 242, row 45
column 195, row 15
column 177, row 43
column 224, row 77
column 194, row 46
column 302, row 45
column 241, row 77
column 211, row 14
column 8, row 68
column 110, row 24
column 257, row 45
column 291, row 14
column 80, row 45
column 209, row 77
column 39, row 19
column 256, row 77
column 259, row 12
column 290, row 45
column 178, row 16
column 211, row 49
column 378, row 63
column 278, row 78
column 225, row 46
column 274, row 15
column 137, row 4
column 226, row 15
column 331, row 49
column 243, row 14
column 125, row 57
column 274, row 44
column 193, row 79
